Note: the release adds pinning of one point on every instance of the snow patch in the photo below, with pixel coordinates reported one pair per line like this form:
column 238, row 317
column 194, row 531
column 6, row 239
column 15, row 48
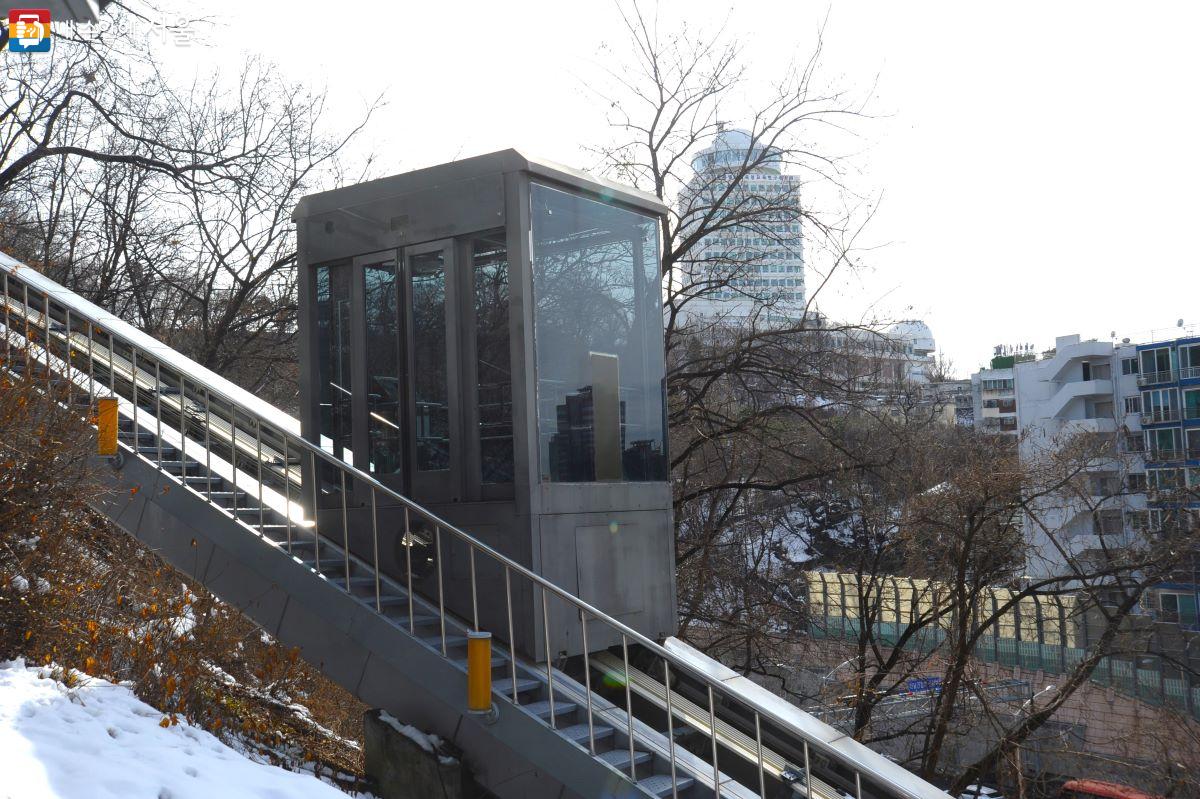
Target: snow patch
column 99, row 741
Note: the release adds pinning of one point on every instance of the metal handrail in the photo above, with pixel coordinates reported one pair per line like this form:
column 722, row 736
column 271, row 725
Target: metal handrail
column 77, row 307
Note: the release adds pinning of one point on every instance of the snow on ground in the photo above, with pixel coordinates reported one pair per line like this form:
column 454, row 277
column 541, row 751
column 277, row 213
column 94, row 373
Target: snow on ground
column 98, row 741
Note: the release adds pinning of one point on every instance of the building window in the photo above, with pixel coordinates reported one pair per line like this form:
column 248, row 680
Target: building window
column 1191, row 403
column 1161, row 405
column 1129, row 366
column 1107, row 522
column 1189, row 362
column 1133, row 404
column 1136, row 481
column 597, row 341
column 493, row 374
column 1156, row 364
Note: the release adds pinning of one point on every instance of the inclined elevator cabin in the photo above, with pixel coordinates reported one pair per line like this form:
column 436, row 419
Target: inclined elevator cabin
column 485, row 337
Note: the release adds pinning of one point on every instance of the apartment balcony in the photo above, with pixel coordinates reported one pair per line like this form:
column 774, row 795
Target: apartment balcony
column 1072, row 354
column 1078, row 389
column 1099, row 425
column 1157, row 455
column 1153, row 378
column 1189, row 373
column 1191, row 413
column 1160, row 415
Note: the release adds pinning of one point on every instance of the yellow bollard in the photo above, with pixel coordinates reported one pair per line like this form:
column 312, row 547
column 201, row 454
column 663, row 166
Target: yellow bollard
column 479, row 673
column 106, row 424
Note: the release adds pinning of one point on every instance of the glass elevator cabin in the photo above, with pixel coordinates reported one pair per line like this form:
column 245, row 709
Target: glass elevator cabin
column 486, row 338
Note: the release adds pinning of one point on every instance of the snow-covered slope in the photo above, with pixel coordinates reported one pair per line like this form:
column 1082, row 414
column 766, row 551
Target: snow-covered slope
column 98, row 740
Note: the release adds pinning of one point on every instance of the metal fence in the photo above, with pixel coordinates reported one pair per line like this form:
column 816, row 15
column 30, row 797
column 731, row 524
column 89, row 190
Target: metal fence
column 1159, row 662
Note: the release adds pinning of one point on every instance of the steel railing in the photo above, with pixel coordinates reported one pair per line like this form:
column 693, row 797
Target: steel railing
column 1150, row 378
column 239, row 434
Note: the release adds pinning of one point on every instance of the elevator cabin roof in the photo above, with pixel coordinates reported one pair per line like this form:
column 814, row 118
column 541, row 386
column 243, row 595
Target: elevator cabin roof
column 437, row 202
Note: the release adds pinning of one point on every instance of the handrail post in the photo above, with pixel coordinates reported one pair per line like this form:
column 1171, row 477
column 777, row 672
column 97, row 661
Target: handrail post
column 670, row 725
column 408, row 545
column 182, row 428
column 762, row 780
column 312, row 455
column 208, row 479
column 158, row 414
column 437, row 541
column 587, row 680
column 25, row 325
column 262, row 517
column 345, row 529
column 807, row 772
column 7, row 327
column 134, row 374
column 49, row 350
column 287, row 492
column 91, row 361
column 233, row 456
column 112, row 365
column 712, row 734
column 70, row 365
column 549, row 665
column 512, row 649
column 628, row 706
column 474, row 591
column 375, row 543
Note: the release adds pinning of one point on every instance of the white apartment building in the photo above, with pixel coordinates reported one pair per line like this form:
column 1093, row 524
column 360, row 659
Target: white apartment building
column 1143, row 404
column 759, row 267
column 994, row 401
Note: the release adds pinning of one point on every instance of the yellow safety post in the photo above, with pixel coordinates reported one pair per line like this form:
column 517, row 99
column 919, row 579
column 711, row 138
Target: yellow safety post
column 106, row 424
column 479, row 673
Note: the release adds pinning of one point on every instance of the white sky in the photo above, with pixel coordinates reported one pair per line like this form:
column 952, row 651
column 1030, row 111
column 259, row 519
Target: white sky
column 1037, row 162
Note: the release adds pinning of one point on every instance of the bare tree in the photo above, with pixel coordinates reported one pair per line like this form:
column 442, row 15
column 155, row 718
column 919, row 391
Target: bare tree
column 170, row 204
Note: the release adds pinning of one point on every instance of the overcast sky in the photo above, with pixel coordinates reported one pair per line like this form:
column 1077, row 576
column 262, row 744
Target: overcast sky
column 1037, row 162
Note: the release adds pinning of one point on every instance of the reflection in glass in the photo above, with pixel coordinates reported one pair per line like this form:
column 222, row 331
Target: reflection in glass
column 493, row 374
column 598, row 338
column 382, row 320
column 333, row 357
column 429, row 362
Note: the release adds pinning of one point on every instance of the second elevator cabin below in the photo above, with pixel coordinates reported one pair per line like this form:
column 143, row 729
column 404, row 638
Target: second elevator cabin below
column 486, row 338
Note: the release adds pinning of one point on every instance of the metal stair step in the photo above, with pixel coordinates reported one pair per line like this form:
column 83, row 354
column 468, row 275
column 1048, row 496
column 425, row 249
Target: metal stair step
column 579, row 732
column 619, row 758
column 169, row 452
column 202, row 482
column 355, row 582
column 452, row 641
column 541, row 708
column 524, row 685
column 396, row 602
column 229, row 494
column 660, row 784
column 177, row 467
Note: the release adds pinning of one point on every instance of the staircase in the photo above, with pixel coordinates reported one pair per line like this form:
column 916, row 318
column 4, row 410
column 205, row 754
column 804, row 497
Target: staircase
column 222, row 486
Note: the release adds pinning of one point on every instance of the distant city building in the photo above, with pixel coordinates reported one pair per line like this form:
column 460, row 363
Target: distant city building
column 755, row 269
column 1142, row 403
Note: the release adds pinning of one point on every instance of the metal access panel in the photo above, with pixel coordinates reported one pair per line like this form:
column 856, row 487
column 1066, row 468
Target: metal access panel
column 485, row 337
